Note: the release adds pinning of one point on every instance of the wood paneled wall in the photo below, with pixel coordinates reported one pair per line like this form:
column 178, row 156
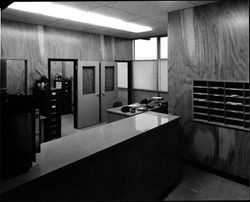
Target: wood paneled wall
column 38, row 43
column 122, row 47
column 209, row 42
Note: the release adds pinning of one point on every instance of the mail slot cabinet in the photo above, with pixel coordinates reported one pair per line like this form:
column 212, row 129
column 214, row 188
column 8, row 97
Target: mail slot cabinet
column 50, row 106
column 66, row 87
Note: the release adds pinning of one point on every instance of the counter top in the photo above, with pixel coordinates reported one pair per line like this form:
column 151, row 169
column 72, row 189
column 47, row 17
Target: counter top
column 64, row 151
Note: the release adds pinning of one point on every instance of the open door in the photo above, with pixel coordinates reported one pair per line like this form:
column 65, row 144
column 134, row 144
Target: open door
column 109, row 91
column 87, row 93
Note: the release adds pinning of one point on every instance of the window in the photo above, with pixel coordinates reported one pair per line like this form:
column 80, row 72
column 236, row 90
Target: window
column 145, row 75
column 146, row 49
column 122, row 74
column 164, row 47
column 163, row 75
column 150, row 72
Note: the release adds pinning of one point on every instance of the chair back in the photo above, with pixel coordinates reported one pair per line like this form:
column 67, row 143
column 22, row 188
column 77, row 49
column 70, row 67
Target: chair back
column 117, row 103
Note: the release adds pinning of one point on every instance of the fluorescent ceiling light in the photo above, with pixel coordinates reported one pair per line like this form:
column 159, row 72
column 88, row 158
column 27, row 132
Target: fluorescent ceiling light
column 73, row 14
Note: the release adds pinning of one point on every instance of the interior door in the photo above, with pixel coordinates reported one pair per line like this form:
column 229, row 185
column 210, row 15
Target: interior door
column 109, row 91
column 87, row 93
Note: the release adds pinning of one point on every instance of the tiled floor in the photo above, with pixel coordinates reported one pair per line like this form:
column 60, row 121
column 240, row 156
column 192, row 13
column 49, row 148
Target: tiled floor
column 200, row 185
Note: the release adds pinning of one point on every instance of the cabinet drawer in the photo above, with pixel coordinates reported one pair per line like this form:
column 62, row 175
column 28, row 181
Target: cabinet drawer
column 53, row 94
column 53, row 120
column 52, row 134
column 66, row 91
column 53, row 101
column 53, row 107
column 53, row 126
column 53, row 113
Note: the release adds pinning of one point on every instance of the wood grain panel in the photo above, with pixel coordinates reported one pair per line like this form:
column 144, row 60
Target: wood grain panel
column 61, row 43
column 209, row 42
column 123, row 49
column 15, row 76
column 38, row 43
column 107, row 49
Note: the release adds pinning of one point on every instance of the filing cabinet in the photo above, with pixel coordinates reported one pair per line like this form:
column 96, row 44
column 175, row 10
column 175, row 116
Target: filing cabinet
column 66, row 86
column 50, row 106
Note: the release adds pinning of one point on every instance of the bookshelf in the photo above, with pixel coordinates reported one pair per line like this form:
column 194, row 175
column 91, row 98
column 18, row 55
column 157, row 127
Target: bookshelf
column 222, row 103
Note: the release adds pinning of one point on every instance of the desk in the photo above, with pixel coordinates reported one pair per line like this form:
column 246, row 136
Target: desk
column 131, row 159
column 115, row 113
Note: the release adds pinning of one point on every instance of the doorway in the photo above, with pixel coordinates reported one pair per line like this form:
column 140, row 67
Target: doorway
column 125, row 89
column 97, row 90
column 62, row 75
column 93, row 90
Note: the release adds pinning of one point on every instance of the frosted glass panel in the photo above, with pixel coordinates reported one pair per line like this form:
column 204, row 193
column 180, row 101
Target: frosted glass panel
column 164, row 47
column 163, row 75
column 144, row 75
column 146, row 49
column 122, row 74
column 109, row 78
column 88, row 80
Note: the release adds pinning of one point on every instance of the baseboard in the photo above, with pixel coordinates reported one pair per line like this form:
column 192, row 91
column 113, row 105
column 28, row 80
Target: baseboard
column 215, row 171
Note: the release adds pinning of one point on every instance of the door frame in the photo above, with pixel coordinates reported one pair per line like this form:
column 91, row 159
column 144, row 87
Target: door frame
column 130, row 80
column 103, row 92
column 75, row 62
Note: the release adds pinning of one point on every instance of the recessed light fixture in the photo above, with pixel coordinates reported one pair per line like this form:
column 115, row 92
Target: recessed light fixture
column 73, row 14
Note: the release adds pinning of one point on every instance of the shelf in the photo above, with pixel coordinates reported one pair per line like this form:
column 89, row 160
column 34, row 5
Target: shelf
column 234, row 103
column 199, row 99
column 231, row 96
column 224, row 102
column 215, row 108
column 211, row 87
column 234, row 119
column 217, row 116
column 215, row 95
column 200, row 113
column 234, row 111
column 205, row 94
column 238, row 89
column 202, row 107
column 217, row 102
column 200, row 86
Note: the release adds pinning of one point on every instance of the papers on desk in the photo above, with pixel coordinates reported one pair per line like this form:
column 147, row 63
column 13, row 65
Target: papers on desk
column 157, row 98
column 141, row 109
column 136, row 105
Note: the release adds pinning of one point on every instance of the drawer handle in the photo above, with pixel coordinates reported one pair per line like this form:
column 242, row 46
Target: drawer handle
column 53, row 93
column 53, row 132
column 53, row 113
column 66, row 91
column 53, row 106
column 54, row 100
column 53, row 119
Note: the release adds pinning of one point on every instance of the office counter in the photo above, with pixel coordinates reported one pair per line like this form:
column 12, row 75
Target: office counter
column 115, row 113
column 134, row 158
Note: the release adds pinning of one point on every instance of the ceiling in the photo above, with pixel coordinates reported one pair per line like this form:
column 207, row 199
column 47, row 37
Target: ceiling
column 149, row 13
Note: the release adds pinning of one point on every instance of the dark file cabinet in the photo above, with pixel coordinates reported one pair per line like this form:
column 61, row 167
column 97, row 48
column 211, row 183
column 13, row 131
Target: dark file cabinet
column 50, row 107
column 66, row 86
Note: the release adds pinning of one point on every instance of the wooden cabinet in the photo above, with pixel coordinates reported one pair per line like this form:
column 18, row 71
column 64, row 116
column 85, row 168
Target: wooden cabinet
column 221, row 103
column 66, row 86
column 50, row 107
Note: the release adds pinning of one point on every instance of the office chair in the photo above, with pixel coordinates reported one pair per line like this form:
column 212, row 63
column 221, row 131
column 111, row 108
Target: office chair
column 117, row 103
